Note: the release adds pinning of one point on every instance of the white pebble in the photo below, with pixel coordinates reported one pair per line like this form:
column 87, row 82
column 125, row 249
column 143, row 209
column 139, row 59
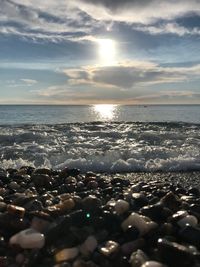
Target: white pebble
column 66, row 254
column 28, row 239
column 121, row 206
column 189, row 219
column 153, row 264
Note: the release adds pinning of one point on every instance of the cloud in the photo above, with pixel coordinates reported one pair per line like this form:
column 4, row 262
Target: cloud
column 29, row 82
column 79, row 20
column 40, row 21
column 168, row 28
column 139, row 11
column 127, row 82
column 130, row 74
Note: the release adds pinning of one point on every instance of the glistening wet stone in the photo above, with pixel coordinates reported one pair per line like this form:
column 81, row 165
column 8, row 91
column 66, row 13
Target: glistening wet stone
column 52, row 218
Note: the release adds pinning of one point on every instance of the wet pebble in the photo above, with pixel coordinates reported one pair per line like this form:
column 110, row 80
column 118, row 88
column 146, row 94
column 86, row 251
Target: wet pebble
column 28, row 239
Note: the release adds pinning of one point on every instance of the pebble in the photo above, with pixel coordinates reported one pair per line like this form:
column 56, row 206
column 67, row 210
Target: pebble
column 137, row 258
column 175, row 254
column 121, row 206
column 188, row 220
column 63, row 218
column 66, row 254
column 110, row 247
column 142, row 223
column 191, row 234
column 153, row 264
column 89, row 245
column 28, row 239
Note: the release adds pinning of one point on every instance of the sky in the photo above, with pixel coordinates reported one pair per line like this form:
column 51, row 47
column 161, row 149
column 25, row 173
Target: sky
column 99, row 51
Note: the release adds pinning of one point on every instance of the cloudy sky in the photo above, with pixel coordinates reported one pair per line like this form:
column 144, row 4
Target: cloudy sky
column 99, row 51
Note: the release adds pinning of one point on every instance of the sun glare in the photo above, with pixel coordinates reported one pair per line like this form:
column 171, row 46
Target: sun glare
column 105, row 111
column 107, row 50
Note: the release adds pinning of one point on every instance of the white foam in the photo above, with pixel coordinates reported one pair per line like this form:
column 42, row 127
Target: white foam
column 109, row 147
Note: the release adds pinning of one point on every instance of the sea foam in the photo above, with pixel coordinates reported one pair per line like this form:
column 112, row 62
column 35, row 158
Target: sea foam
column 102, row 146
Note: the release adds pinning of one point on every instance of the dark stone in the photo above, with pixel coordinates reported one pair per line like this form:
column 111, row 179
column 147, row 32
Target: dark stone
column 43, row 171
column 41, row 180
column 69, row 172
column 153, row 211
column 116, row 181
column 112, row 221
column 138, row 200
column 191, row 234
column 194, row 191
column 171, row 201
column 132, row 233
column 175, row 254
column 91, row 203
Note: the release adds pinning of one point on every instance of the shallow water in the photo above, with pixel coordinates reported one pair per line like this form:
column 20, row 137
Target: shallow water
column 103, row 146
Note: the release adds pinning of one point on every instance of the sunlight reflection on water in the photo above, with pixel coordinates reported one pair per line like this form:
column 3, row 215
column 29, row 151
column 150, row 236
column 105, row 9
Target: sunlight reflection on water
column 105, row 111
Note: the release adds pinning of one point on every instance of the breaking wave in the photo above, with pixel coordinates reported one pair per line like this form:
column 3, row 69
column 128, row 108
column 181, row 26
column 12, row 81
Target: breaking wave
column 103, row 146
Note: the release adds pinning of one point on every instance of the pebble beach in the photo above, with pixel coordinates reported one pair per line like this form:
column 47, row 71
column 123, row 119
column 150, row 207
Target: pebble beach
column 67, row 218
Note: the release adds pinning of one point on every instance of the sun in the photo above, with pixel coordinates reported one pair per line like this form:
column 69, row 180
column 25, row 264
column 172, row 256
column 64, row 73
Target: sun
column 107, row 51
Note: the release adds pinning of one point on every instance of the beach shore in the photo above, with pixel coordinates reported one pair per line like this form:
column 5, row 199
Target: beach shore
column 66, row 218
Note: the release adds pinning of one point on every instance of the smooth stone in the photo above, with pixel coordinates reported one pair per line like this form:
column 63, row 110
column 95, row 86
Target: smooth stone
column 137, row 258
column 191, row 234
column 153, row 264
column 91, row 203
column 139, row 200
column 20, row 258
column 66, row 254
column 42, row 171
column 92, row 185
column 69, row 172
column 189, row 219
column 175, row 254
column 82, row 263
column 14, row 185
column 16, row 211
column 64, row 196
column 89, row 245
column 153, row 211
column 194, row 191
column 112, row 221
column 179, row 215
column 62, row 207
column 28, row 239
column 39, row 224
column 188, row 199
column 116, row 181
column 3, row 206
column 132, row 233
column 121, row 206
column 171, row 201
column 111, row 247
column 129, row 247
column 135, row 188
column 142, row 223
column 70, row 180
column 33, row 205
column 41, row 180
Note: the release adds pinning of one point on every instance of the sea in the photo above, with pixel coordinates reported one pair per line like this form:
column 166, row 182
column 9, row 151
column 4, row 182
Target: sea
column 101, row 138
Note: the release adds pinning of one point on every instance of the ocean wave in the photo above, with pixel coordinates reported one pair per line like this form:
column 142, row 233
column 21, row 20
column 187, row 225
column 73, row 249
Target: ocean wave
column 103, row 146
